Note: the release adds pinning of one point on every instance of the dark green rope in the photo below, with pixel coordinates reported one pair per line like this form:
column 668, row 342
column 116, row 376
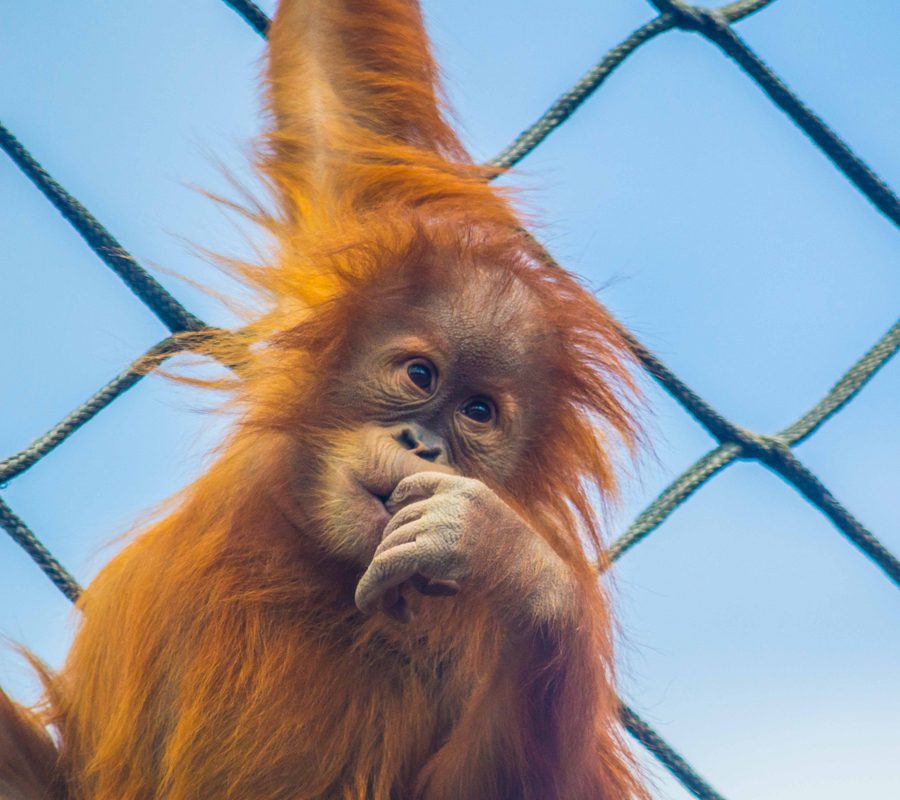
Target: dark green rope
column 772, row 451
column 18, row 463
column 252, row 14
column 167, row 309
column 23, row 536
column 672, row 761
column 714, row 26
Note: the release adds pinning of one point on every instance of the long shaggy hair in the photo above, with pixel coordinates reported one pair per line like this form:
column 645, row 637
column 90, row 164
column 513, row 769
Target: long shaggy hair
column 220, row 654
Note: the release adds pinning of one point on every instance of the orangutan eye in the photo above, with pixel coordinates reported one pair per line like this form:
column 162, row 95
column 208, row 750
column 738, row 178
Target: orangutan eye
column 479, row 409
column 423, row 375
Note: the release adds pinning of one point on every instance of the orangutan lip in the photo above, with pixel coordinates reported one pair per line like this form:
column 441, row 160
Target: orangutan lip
column 381, row 500
column 379, row 497
column 379, row 491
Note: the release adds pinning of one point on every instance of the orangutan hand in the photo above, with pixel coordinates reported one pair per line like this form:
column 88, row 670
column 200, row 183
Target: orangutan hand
column 448, row 534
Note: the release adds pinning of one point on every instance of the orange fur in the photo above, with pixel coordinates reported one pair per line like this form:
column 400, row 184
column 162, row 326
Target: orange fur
column 220, row 654
column 28, row 757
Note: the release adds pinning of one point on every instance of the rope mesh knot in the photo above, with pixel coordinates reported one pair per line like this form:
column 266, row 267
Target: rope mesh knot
column 692, row 18
column 761, row 446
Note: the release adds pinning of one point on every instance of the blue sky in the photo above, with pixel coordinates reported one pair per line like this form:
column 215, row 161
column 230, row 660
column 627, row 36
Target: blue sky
column 753, row 636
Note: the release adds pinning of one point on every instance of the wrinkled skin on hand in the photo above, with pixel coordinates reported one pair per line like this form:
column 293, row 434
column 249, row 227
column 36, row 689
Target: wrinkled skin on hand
column 450, row 533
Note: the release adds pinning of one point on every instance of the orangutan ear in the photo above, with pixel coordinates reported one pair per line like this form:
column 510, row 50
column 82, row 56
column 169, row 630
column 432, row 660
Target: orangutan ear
column 354, row 82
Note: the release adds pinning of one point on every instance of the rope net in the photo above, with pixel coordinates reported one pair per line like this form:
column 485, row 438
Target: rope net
column 773, row 451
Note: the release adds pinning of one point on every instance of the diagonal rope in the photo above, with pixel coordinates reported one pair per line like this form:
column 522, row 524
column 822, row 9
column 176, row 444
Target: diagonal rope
column 166, row 308
column 19, row 462
column 850, row 384
column 714, row 26
column 670, row 759
column 781, row 460
column 671, row 497
column 715, row 423
column 254, row 16
column 771, row 451
column 25, row 538
column 569, row 102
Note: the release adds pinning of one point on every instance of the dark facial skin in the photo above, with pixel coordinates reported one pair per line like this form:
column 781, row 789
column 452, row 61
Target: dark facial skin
column 452, row 383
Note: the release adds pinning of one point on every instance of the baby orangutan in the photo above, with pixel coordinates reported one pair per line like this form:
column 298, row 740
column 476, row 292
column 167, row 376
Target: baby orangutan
column 380, row 590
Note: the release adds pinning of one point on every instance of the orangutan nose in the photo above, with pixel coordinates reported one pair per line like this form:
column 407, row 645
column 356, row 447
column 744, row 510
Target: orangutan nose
column 422, row 442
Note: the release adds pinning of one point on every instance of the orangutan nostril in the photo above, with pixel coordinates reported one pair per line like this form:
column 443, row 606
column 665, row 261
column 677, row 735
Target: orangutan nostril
column 407, row 439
